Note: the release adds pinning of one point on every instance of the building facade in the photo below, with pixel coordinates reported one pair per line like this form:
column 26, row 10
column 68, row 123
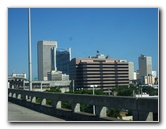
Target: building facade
column 145, row 65
column 135, row 75
column 98, row 71
column 57, row 76
column 46, row 58
column 54, row 75
column 131, row 70
column 19, row 75
column 149, row 80
column 62, row 60
column 154, row 74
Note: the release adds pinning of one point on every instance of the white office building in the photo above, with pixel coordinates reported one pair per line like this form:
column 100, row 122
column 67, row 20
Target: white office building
column 131, row 70
column 154, row 74
column 145, row 65
column 135, row 75
column 19, row 75
column 46, row 58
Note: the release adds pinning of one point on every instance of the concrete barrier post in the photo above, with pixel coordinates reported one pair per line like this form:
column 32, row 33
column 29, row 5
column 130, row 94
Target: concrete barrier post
column 75, row 107
column 150, row 116
column 145, row 116
column 56, row 104
column 101, row 111
column 14, row 95
column 19, row 96
column 10, row 94
column 43, row 101
column 33, row 100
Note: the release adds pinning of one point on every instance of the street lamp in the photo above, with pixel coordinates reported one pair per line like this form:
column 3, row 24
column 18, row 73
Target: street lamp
column 29, row 51
column 93, row 86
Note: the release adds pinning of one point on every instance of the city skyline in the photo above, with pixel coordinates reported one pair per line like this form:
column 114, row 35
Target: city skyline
column 123, row 33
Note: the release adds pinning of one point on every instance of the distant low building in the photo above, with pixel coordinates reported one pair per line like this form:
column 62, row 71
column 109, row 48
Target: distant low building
column 65, row 77
column 23, row 75
column 154, row 74
column 148, row 79
column 135, row 75
column 156, row 80
column 142, row 95
column 16, row 80
column 57, row 76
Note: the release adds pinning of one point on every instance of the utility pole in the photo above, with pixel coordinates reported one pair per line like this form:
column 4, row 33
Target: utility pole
column 29, row 51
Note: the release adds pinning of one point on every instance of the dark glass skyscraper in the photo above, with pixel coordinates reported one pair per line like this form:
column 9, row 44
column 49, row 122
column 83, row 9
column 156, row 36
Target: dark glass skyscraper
column 62, row 60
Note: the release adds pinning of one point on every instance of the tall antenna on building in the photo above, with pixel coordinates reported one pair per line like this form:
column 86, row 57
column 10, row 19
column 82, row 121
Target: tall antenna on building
column 29, row 51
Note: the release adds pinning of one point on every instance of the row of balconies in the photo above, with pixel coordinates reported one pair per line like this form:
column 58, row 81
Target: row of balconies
column 103, row 65
column 103, row 78
column 104, row 75
column 103, row 69
column 99, row 83
column 101, row 72
column 102, row 82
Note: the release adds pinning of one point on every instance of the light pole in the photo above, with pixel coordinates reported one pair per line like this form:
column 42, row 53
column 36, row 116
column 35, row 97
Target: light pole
column 93, row 86
column 29, row 50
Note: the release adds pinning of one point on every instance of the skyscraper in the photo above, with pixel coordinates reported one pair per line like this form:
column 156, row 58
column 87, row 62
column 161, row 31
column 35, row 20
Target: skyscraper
column 46, row 58
column 145, row 65
column 62, row 60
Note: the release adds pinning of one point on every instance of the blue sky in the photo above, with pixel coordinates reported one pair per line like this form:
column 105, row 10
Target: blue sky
column 123, row 33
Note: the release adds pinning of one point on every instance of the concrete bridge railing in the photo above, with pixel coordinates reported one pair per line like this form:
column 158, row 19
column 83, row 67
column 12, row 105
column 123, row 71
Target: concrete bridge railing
column 143, row 109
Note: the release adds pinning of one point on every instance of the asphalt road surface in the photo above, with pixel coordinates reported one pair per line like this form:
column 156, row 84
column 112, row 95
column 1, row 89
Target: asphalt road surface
column 18, row 113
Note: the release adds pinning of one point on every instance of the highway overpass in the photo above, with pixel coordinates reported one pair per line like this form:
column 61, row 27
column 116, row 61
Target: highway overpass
column 143, row 109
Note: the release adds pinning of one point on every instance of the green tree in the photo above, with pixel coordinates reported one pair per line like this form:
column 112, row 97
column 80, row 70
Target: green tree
column 125, row 92
column 66, row 105
column 150, row 90
column 97, row 92
column 56, row 90
column 86, row 108
column 114, row 112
